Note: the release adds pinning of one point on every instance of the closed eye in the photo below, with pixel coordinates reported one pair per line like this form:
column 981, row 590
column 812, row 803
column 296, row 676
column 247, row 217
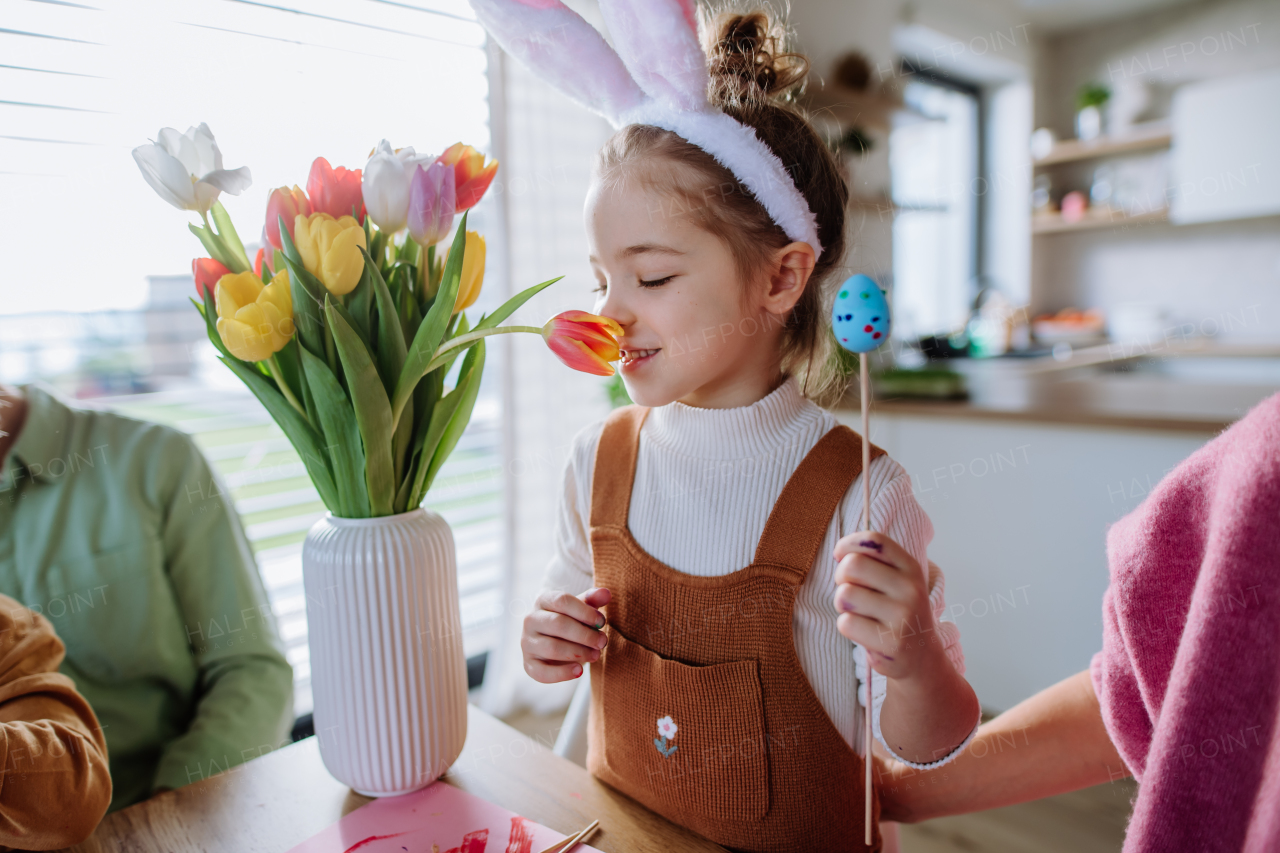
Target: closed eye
column 657, row 282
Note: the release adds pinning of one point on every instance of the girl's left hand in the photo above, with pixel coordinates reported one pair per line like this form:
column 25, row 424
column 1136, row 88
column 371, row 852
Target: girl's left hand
column 883, row 602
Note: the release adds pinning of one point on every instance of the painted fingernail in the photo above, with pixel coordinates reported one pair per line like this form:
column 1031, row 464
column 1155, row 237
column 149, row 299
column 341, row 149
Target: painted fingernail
column 577, row 671
column 600, row 624
column 873, row 545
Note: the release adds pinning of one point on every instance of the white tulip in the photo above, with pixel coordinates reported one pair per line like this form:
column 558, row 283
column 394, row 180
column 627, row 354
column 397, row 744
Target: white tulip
column 385, row 185
column 185, row 169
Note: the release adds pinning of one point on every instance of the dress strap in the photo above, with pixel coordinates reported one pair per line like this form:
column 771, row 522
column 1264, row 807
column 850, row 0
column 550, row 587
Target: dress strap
column 799, row 520
column 615, row 465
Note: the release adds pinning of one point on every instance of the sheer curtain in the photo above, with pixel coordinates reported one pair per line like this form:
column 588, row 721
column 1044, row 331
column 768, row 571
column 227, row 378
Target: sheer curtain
column 546, row 143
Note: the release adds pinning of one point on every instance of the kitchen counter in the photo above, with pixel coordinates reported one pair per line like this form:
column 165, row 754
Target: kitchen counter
column 1198, row 388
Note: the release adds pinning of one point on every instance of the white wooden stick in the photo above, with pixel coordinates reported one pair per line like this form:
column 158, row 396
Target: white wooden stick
column 866, row 525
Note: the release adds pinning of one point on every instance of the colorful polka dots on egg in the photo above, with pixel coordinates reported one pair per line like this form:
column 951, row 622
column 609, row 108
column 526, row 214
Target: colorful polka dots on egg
column 860, row 316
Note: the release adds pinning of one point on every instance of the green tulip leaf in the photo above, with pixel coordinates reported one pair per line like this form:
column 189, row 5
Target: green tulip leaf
column 431, row 331
column 210, row 313
column 227, row 233
column 290, row 369
column 304, row 439
column 307, row 294
column 214, row 247
column 391, row 355
column 468, row 387
column 509, row 307
column 359, row 305
column 341, row 435
column 441, row 414
column 390, row 337
column 373, row 410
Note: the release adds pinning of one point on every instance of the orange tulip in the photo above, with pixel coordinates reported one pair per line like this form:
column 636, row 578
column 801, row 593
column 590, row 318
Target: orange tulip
column 258, row 260
column 206, row 272
column 586, row 342
column 471, row 176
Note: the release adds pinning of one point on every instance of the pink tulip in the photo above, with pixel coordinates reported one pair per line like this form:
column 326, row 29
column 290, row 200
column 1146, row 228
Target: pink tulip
column 288, row 203
column 206, row 272
column 335, row 191
column 431, row 203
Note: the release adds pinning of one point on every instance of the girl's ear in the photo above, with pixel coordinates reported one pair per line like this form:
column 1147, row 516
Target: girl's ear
column 789, row 275
column 658, row 41
column 555, row 43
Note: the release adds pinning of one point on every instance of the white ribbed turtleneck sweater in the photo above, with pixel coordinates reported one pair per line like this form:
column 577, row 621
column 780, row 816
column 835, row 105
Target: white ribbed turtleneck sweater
column 706, row 480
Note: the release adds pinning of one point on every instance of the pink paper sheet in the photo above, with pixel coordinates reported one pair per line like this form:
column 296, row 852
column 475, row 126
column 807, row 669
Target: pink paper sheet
column 438, row 819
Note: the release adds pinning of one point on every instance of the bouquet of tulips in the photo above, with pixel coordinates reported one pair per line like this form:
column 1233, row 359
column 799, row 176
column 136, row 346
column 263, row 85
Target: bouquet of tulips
column 343, row 325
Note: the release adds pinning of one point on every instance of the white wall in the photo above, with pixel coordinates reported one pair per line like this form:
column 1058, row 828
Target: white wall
column 1201, row 272
column 1020, row 514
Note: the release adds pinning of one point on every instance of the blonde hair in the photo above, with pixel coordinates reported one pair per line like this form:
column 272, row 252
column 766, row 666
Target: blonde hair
column 753, row 78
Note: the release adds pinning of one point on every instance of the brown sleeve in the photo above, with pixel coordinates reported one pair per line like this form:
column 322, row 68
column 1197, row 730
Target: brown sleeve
column 55, row 785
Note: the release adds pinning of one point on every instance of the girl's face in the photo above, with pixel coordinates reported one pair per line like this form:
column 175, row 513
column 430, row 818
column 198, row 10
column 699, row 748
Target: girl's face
column 693, row 330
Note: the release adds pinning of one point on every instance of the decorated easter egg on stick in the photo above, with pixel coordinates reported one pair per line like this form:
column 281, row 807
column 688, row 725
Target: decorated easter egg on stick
column 860, row 320
column 860, row 316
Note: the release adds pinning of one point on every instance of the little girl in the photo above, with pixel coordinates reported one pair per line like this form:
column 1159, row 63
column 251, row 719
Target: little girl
column 709, row 564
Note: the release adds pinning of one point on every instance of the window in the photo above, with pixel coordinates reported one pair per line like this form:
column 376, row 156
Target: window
column 96, row 266
column 937, row 188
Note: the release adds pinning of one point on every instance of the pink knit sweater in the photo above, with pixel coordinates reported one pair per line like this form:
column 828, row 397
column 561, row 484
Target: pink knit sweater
column 1189, row 672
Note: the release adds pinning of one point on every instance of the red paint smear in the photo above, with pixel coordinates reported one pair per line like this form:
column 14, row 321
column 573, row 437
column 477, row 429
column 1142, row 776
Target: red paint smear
column 521, row 840
column 575, row 794
column 473, row 842
column 360, row 844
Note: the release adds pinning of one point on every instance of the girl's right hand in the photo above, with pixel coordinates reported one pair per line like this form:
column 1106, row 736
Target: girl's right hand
column 561, row 633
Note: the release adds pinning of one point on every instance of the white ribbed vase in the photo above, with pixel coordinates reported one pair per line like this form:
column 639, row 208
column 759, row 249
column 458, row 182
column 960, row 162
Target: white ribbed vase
column 388, row 672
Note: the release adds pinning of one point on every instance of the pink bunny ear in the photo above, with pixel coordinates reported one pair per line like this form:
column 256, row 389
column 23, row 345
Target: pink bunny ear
column 559, row 46
column 658, row 40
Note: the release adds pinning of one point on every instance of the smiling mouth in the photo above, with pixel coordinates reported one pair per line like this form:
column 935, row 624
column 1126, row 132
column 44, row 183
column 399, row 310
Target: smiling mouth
column 630, row 356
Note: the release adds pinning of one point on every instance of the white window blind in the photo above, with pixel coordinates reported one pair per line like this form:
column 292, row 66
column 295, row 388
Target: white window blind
column 279, row 83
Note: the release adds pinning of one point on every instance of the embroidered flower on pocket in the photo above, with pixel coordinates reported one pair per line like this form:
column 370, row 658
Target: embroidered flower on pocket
column 666, row 731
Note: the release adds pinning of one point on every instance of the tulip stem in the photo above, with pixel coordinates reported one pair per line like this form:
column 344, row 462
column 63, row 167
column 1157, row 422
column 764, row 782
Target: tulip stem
column 472, row 336
column 274, row 367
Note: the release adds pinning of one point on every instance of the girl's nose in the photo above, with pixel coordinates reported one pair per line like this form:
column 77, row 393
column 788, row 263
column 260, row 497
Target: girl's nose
column 614, row 308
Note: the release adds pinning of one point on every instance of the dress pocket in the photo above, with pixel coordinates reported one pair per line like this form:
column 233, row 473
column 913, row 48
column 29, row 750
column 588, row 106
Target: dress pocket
column 687, row 739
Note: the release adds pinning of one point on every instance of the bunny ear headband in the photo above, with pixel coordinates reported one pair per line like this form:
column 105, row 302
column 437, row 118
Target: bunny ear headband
column 658, row 76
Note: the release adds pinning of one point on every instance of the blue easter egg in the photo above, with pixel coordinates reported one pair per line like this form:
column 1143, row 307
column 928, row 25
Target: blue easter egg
column 860, row 316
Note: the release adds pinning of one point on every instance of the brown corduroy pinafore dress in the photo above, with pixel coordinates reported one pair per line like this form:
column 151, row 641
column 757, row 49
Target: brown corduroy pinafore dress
column 700, row 709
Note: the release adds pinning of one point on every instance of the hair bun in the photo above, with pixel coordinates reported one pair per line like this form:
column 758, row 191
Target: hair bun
column 747, row 59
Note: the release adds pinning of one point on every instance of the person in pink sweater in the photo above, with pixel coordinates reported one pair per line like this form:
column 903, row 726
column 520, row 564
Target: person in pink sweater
column 1185, row 694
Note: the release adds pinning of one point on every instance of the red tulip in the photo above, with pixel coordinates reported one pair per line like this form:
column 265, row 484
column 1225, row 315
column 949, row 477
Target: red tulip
column 471, row 177
column 586, row 342
column 335, row 191
column 206, row 272
column 288, row 203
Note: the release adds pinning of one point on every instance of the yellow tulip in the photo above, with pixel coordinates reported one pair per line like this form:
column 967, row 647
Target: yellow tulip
column 254, row 322
column 472, row 271
column 330, row 250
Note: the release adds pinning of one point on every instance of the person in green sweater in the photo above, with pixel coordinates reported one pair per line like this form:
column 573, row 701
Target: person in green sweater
column 119, row 532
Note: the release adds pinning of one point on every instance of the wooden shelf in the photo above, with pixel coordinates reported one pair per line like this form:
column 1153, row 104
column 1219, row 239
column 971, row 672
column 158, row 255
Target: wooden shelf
column 1073, row 150
column 1094, row 218
column 849, row 107
column 875, row 204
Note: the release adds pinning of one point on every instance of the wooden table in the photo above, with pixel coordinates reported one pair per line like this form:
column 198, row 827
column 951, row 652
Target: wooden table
column 281, row 799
